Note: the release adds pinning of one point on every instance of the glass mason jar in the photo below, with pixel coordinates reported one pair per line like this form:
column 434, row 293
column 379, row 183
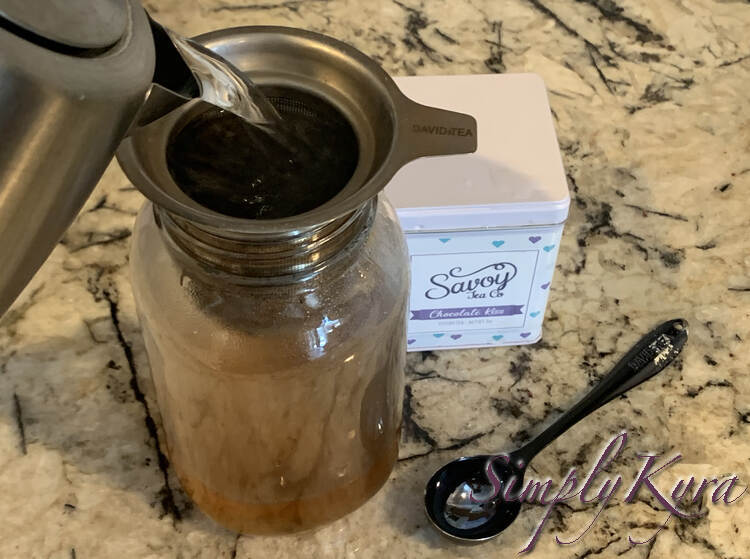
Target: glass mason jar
column 277, row 362
column 277, row 346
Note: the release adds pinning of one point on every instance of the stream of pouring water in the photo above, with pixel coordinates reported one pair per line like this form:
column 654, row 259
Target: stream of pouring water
column 225, row 86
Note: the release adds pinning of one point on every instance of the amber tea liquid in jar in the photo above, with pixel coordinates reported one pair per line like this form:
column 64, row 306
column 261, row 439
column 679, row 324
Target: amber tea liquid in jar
column 274, row 319
column 281, row 400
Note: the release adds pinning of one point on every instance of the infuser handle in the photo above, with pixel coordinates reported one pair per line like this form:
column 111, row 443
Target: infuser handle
column 425, row 131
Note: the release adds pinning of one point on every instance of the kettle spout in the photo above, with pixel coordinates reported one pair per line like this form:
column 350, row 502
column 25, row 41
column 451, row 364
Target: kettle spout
column 173, row 83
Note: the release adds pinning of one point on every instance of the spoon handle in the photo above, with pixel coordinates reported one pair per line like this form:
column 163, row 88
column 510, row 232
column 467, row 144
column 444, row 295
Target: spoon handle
column 650, row 355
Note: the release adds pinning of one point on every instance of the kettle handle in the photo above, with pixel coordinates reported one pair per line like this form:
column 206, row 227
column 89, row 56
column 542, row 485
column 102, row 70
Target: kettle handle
column 424, row 131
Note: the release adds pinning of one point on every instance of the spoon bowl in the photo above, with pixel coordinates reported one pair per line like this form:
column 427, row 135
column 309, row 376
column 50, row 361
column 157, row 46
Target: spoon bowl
column 459, row 499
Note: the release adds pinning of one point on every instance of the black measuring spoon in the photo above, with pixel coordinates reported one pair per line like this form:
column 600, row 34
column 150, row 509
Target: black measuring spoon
column 459, row 497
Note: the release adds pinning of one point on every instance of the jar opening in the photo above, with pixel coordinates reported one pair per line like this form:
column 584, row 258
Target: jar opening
column 244, row 171
column 260, row 258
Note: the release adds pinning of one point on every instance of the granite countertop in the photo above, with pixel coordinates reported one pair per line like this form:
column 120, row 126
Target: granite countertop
column 651, row 108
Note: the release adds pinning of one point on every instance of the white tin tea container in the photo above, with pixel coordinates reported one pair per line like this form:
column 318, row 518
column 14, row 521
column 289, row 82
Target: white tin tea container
column 483, row 230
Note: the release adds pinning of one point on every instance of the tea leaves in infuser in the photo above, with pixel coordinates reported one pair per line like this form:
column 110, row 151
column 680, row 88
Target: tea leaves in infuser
column 236, row 169
column 254, row 157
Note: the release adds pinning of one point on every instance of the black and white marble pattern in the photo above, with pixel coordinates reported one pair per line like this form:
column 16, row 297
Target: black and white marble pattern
column 651, row 107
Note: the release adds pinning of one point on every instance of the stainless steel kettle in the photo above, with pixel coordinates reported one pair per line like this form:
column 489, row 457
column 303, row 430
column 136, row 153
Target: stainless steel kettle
column 78, row 76
column 74, row 76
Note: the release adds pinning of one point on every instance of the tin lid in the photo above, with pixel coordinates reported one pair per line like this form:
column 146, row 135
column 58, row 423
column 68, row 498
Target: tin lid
column 515, row 178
